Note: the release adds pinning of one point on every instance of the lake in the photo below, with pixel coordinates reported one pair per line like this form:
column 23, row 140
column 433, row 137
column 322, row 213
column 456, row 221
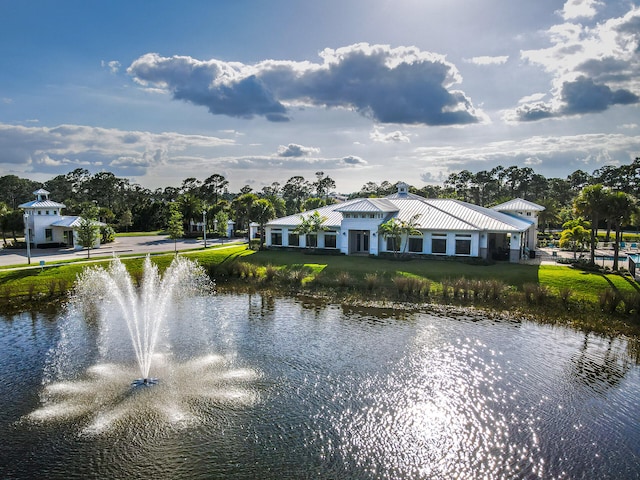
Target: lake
column 278, row 388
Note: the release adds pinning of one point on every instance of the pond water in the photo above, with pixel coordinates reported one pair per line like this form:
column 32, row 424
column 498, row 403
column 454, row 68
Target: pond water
column 257, row 387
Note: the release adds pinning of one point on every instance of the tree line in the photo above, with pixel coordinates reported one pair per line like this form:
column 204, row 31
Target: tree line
column 128, row 206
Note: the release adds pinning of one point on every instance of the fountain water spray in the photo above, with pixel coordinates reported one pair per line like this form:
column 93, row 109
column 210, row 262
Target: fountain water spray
column 112, row 293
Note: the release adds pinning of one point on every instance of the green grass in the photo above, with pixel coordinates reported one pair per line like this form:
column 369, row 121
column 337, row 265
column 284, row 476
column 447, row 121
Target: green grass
column 140, row 234
column 349, row 278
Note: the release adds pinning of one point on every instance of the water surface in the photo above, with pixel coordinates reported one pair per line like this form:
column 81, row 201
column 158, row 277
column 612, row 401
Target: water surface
column 256, row 387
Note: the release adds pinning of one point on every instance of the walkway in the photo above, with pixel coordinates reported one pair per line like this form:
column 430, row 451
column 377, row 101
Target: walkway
column 122, row 246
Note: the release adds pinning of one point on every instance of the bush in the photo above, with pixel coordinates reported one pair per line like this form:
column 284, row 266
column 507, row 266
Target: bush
column 535, row 293
column 565, row 294
column 609, row 300
column 270, row 273
column 372, row 281
column 107, row 234
column 344, row 279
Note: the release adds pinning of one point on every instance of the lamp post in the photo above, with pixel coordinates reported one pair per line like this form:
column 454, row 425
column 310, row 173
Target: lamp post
column 26, row 237
column 204, row 226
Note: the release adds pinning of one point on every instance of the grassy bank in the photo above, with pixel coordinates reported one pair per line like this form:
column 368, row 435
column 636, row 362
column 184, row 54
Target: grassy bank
column 556, row 294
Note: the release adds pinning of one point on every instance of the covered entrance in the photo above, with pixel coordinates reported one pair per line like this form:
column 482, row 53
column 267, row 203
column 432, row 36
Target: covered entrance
column 359, row 242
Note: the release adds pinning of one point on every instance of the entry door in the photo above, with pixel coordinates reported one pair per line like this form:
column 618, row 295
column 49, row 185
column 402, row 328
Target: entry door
column 362, row 242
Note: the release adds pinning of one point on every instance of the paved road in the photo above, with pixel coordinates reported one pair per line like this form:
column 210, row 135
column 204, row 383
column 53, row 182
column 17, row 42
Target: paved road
column 122, row 246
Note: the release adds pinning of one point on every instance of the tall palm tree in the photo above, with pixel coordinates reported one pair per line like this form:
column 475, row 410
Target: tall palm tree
column 261, row 212
column 591, row 203
column 619, row 208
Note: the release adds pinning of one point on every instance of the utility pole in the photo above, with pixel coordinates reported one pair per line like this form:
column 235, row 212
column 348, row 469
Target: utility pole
column 26, row 237
column 204, row 226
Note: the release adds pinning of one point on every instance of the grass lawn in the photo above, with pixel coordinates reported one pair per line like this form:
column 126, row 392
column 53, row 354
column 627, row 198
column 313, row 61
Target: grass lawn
column 350, row 273
column 140, row 234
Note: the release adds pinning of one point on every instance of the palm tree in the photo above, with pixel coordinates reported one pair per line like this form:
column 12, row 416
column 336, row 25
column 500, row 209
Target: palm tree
column 550, row 215
column 574, row 238
column 311, row 224
column 591, row 202
column 619, row 209
column 261, row 212
column 391, row 229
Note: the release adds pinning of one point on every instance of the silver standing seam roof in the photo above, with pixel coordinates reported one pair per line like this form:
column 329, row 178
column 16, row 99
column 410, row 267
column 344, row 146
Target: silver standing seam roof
column 440, row 214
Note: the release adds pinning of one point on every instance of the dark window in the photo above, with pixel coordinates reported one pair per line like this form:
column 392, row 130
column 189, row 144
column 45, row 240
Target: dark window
column 312, row 240
column 439, row 245
column 391, row 244
column 276, row 238
column 415, row 244
column 330, row 241
column 48, row 234
column 294, row 240
column 463, row 247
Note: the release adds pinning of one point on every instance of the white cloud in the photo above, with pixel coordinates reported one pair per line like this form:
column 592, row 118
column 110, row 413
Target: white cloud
column 78, row 145
column 574, row 9
column 294, row 150
column 397, row 136
column 486, row 60
column 113, row 66
column 391, row 85
column 593, row 68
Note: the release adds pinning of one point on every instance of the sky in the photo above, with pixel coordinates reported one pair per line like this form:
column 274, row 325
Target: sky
column 158, row 91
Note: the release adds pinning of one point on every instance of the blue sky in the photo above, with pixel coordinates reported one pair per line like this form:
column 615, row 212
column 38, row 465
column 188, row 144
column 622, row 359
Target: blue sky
column 363, row 90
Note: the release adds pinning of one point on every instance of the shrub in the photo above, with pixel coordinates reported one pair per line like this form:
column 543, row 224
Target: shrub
column 631, row 303
column 51, row 287
column 565, row 294
column 344, row 279
column 609, row 300
column 372, row 281
column 270, row 273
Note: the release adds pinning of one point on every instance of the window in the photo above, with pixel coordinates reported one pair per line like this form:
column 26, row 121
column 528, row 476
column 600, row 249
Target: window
column 463, row 244
column 48, row 234
column 372, row 215
column 439, row 243
column 39, row 212
column 347, row 215
column 46, row 212
column 312, row 240
column 392, row 244
column 330, row 240
column 528, row 214
column 294, row 240
column 276, row 237
column 415, row 244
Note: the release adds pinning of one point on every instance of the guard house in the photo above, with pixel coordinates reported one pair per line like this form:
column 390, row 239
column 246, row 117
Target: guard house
column 447, row 227
column 46, row 225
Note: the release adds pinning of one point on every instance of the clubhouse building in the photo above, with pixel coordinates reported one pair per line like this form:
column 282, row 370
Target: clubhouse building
column 447, row 227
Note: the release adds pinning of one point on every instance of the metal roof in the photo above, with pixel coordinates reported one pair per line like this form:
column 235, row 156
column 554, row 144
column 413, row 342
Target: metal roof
column 432, row 214
column 73, row 222
column 367, row 205
column 42, row 204
column 67, row 222
column 518, row 204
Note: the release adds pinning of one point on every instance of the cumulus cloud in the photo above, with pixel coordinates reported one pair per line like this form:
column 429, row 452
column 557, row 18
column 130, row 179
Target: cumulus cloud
column 113, row 65
column 72, row 146
column 486, row 60
column 574, row 9
column 293, row 150
column 593, row 67
column 390, row 85
column 353, row 161
column 551, row 155
column 378, row 135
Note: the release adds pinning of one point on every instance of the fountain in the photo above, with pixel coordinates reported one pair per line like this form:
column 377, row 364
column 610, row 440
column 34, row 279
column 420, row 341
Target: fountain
column 113, row 294
column 120, row 335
